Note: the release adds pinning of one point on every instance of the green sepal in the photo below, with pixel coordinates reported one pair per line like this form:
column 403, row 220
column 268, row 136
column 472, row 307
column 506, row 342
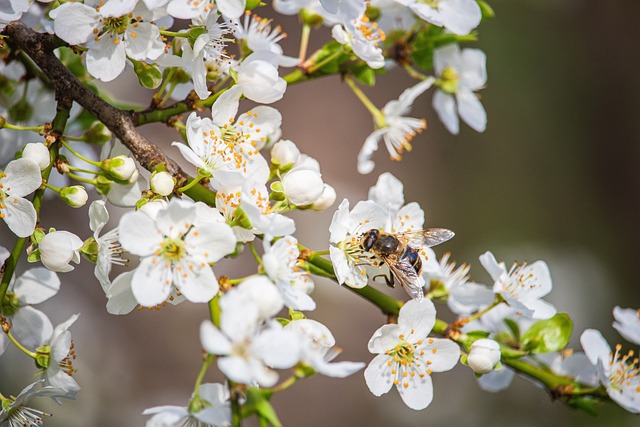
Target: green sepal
column 258, row 403
column 103, row 185
column 149, row 75
column 486, row 10
column 37, row 236
column 310, row 18
column 302, row 370
column 296, row 315
column 10, row 305
column 252, row 4
column 283, row 321
column 546, row 336
column 438, row 290
column 43, row 357
column 89, row 250
column 463, row 359
column 426, row 41
column 34, row 256
column 469, row 338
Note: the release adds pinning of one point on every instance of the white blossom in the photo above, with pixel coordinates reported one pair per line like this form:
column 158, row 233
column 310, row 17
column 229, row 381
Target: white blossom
column 406, row 356
column 457, row 16
column 627, row 323
column 394, row 128
column 459, row 75
column 522, row 287
column 213, row 398
column 58, row 249
column 20, row 178
column 346, row 229
column 174, row 252
column 618, row 372
column 110, row 33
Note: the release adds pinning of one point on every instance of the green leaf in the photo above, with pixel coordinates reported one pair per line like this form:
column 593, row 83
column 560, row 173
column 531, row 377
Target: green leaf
column 587, row 404
column 258, row 403
column 149, row 75
column 514, row 328
column 365, row 75
column 546, row 336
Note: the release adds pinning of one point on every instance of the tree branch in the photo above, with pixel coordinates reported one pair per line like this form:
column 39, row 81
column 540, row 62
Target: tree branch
column 40, row 48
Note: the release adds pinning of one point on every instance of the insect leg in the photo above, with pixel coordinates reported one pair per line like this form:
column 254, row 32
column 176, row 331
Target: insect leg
column 387, row 279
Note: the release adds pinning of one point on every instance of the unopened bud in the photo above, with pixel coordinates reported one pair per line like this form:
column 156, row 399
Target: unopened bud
column 284, row 153
column 97, row 134
column 326, row 199
column 75, row 196
column 121, row 168
column 483, row 356
column 37, row 152
column 162, row 183
column 303, row 186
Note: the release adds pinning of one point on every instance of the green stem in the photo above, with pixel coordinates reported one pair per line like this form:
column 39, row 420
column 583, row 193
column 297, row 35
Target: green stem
column 51, row 187
column 22, row 348
column 190, row 184
column 482, row 312
column 255, row 253
column 81, row 179
column 205, row 366
column 414, row 73
column 17, row 127
column 317, row 65
column 378, row 116
column 304, row 42
column 174, row 33
column 236, row 408
column 80, row 156
column 285, row 384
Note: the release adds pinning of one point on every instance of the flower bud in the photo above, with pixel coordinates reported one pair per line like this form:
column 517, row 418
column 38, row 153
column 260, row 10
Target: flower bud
column 37, row 152
column 326, row 199
column 302, row 186
column 284, row 153
column 121, row 169
column 58, row 249
column 162, row 183
column 75, row 196
column 483, row 356
column 97, row 134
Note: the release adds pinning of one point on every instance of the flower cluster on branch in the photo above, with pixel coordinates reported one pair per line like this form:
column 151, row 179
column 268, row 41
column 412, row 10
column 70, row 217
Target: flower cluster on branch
column 62, row 136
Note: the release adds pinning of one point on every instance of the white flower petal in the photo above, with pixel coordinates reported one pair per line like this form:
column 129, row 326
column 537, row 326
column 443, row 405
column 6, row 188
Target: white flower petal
column 120, row 296
column 471, row 110
column 378, row 375
column 22, row 178
column 212, row 340
column 20, row 216
column 106, row 59
column 416, row 392
column 36, row 285
column 151, row 282
column 445, row 106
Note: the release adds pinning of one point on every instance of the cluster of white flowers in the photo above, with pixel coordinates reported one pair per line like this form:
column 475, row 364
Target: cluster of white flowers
column 171, row 238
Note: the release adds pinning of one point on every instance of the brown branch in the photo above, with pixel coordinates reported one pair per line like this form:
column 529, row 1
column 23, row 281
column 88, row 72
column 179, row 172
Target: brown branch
column 40, row 48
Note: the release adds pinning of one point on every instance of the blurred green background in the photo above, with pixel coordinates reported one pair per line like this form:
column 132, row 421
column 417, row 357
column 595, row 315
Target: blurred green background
column 554, row 177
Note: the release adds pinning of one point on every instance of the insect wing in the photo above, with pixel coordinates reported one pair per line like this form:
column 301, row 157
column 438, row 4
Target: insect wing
column 405, row 274
column 427, row 237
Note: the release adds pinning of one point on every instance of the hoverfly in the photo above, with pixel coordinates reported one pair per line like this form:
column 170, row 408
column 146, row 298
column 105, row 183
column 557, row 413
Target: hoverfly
column 398, row 252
